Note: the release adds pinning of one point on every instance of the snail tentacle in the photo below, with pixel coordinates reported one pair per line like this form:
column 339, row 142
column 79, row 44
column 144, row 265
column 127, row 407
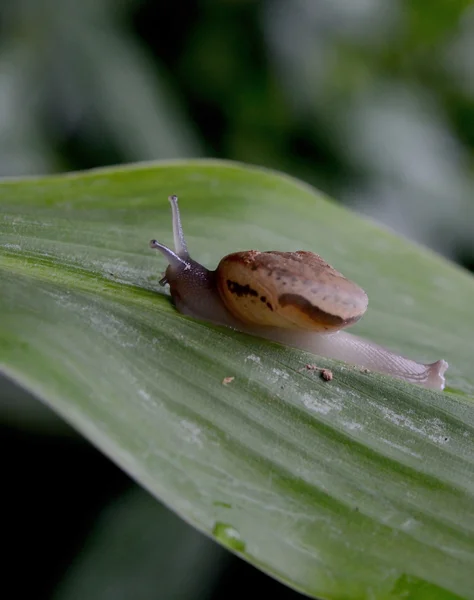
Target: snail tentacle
column 173, row 259
column 180, row 246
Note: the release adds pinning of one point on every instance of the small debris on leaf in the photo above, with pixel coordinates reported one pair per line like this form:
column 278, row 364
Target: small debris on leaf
column 227, row 380
column 326, row 374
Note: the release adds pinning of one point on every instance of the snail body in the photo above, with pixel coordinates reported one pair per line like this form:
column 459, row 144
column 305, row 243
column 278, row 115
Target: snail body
column 294, row 298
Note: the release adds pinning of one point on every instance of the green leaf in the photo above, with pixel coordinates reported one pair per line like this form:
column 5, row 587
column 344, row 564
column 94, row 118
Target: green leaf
column 354, row 488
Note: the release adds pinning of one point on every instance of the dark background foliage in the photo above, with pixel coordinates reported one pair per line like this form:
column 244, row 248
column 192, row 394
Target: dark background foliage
column 369, row 100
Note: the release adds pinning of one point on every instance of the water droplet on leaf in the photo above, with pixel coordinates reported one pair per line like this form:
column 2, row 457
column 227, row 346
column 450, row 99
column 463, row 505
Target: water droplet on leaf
column 229, row 536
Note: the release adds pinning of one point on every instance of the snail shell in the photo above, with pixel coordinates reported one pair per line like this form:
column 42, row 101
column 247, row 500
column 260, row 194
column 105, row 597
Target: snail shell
column 293, row 290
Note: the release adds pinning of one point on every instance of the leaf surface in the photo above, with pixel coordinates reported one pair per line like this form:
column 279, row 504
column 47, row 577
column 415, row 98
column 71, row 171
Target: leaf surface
column 358, row 487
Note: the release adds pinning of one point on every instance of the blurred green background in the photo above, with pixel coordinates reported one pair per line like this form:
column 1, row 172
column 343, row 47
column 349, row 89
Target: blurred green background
column 371, row 101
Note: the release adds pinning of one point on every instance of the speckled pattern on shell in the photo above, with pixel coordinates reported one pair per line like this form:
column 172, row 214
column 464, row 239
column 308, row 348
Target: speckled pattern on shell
column 297, row 290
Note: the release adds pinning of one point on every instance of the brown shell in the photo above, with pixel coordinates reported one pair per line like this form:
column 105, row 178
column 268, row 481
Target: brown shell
column 294, row 290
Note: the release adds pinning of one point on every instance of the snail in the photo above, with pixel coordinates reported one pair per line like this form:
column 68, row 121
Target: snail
column 294, row 298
